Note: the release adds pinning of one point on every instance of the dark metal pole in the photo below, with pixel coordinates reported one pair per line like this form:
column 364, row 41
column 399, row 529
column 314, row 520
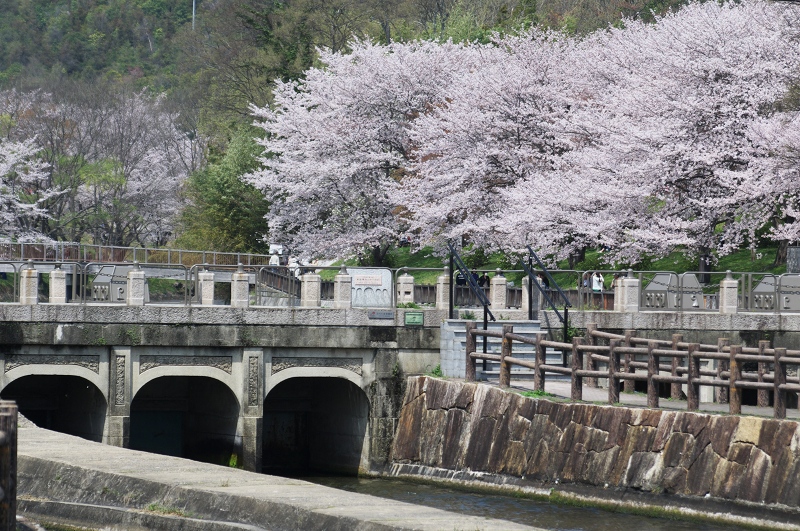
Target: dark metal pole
column 452, row 287
column 530, row 290
column 566, row 331
column 485, row 327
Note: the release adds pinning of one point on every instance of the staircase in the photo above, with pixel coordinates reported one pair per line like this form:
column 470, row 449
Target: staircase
column 453, row 347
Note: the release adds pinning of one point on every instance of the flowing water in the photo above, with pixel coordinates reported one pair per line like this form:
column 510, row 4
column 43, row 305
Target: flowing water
column 517, row 509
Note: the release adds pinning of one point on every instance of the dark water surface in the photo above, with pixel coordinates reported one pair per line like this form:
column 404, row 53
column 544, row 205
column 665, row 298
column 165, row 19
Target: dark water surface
column 521, row 510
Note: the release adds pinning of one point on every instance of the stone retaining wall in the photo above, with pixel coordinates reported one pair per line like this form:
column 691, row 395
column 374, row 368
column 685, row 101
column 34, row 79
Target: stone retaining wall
column 465, row 426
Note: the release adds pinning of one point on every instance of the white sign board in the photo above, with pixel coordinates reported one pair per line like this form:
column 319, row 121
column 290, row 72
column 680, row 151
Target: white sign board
column 371, row 288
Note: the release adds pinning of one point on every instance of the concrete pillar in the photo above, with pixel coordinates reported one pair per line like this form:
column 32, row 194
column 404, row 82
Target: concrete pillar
column 29, row 285
column 499, row 293
column 310, row 290
column 137, row 284
column 628, row 295
column 205, row 287
column 58, row 286
column 240, row 289
column 118, row 413
column 342, row 289
column 405, row 288
column 728, row 295
column 443, row 290
column 250, row 429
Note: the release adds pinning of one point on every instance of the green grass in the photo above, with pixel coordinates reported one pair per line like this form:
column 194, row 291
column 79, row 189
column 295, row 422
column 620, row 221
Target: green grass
column 537, row 394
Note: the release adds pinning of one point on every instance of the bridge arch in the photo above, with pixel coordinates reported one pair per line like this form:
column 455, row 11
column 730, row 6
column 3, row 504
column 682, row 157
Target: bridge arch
column 191, row 416
column 65, row 400
column 315, row 420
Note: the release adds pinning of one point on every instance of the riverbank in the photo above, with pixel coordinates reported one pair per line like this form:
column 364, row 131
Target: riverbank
column 724, row 468
column 65, row 479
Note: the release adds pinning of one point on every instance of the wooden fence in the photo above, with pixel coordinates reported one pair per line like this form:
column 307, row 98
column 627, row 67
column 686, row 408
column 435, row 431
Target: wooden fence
column 620, row 357
column 8, row 465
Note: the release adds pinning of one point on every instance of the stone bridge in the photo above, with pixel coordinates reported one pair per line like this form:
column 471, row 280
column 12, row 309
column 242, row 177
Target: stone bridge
column 262, row 389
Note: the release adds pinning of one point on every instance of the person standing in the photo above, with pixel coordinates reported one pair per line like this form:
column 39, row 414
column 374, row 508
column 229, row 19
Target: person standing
column 597, row 282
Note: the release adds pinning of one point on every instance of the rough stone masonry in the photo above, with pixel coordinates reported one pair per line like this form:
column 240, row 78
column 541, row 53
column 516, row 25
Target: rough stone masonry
column 463, row 426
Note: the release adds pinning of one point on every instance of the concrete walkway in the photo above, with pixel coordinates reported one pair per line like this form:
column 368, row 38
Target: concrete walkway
column 68, row 479
column 561, row 390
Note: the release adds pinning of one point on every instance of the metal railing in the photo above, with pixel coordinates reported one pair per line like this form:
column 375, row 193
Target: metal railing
column 79, row 252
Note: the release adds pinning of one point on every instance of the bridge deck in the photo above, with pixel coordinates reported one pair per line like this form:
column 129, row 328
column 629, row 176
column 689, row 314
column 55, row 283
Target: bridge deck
column 113, row 484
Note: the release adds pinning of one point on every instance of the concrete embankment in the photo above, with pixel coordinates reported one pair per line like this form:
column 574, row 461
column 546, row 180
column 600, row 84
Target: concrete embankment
column 731, row 467
column 67, row 479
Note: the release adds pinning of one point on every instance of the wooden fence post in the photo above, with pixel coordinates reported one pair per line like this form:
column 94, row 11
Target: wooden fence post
column 591, row 365
column 675, row 388
column 735, row 394
column 779, row 395
column 505, row 350
column 652, row 370
column 469, row 373
column 722, row 366
column 539, row 360
column 576, row 392
column 629, row 386
column 613, row 372
column 8, row 465
column 763, row 394
column 693, row 379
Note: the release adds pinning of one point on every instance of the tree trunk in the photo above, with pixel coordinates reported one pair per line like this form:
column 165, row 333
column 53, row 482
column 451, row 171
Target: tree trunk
column 780, row 255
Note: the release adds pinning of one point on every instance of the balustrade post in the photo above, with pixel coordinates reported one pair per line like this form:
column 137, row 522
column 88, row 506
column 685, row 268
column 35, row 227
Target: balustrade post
column 693, row 379
column 763, row 394
column 576, row 391
column 779, row 398
column 539, row 360
column 240, row 288
column 29, row 284
column 613, row 372
column 205, row 287
column 499, row 291
column 629, row 386
column 505, row 351
column 735, row 394
column 591, row 365
column 137, row 287
column 310, row 290
column 342, row 289
column 675, row 388
column 652, row 371
column 722, row 366
column 469, row 371
column 405, row 288
column 58, row 286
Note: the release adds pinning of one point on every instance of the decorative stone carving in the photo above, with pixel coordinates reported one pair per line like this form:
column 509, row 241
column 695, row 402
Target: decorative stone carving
column 252, row 382
column 147, row 362
column 87, row 362
column 349, row 364
column 119, row 391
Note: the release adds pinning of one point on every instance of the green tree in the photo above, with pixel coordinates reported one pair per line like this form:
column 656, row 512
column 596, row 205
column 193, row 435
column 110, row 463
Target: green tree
column 225, row 213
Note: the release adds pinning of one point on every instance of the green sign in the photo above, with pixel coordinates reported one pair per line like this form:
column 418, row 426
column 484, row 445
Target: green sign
column 414, row 318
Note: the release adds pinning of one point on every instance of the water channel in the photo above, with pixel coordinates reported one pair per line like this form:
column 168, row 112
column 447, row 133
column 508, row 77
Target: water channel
column 517, row 509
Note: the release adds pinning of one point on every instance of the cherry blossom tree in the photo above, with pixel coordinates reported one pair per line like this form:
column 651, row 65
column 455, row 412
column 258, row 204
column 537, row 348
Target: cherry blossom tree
column 337, row 143
column 665, row 116
column 20, row 173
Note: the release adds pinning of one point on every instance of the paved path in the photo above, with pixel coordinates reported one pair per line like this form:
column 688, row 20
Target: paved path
column 561, row 389
column 99, row 483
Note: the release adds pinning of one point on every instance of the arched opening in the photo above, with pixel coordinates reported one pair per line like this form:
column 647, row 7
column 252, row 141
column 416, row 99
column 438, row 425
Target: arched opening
column 67, row 404
column 314, row 425
column 186, row 416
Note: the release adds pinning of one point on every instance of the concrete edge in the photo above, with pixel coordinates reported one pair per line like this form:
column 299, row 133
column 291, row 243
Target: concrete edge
column 120, row 518
column 618, row 499
column 44, row 480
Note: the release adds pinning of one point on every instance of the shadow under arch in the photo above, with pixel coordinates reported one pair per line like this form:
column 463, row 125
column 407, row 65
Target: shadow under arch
column 314, row 424
column 62, row 403
column 186, row 416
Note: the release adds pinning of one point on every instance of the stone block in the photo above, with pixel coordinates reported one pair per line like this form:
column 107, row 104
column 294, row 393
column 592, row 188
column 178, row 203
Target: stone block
column 29, row 286
column 58, row 287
